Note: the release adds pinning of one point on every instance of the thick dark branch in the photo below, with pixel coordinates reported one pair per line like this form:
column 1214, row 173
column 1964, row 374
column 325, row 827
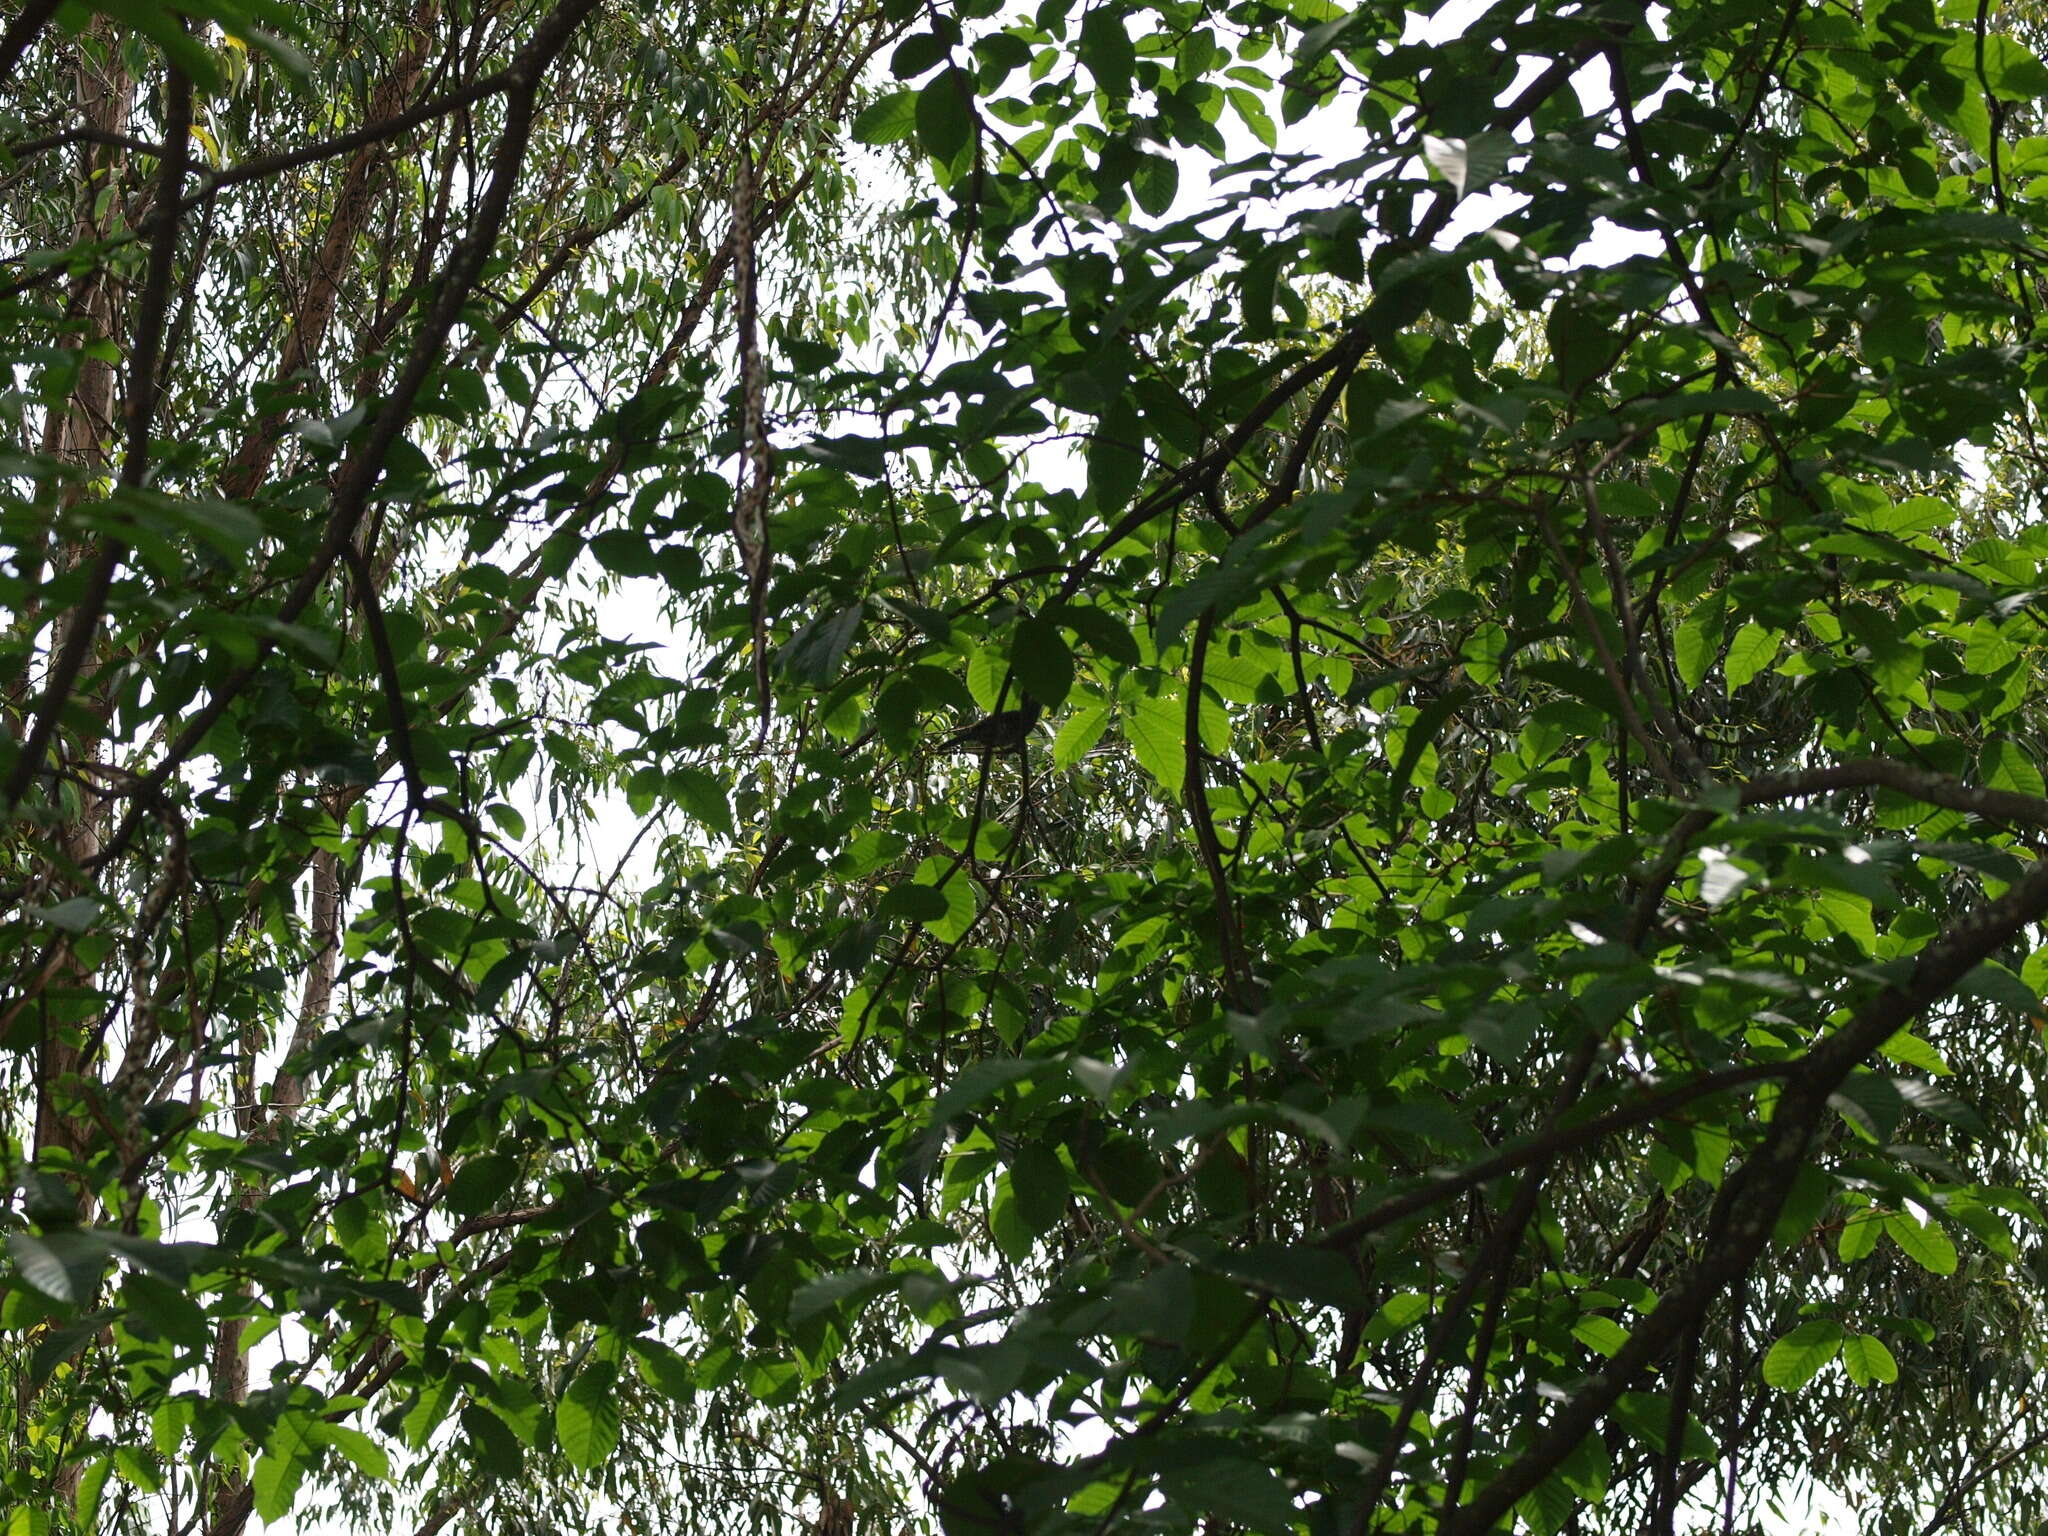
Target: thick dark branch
column 358, row 138
column 1449, row 1185
column 1862, row 773
column 22, row 148
column 1902, row 778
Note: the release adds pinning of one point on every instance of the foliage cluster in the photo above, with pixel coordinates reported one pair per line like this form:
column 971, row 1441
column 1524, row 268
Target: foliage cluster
column 1492, row 981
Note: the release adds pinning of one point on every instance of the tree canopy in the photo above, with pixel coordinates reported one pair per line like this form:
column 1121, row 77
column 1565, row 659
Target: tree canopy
column 924, row 765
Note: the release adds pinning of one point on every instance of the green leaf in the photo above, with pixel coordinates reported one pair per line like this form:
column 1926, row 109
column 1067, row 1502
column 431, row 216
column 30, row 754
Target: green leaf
column 1753, row 649
column 90, row 1489
column 365, row 1454
column 1698, row 641
column 1038, row 1180
column 1909, row 1050
column 919, row 902
column 828, row 1293
column 1602, row 1335
column 73, row 916
column 1044, row 665
column 1859, row 1235
column 64, row 1266
column 1841, row 912
column 1868, row 1361
column 1928, row 1246
column 703, row 797
column 1483, row 652
column 1798, row 1357
column 888, row 120
column 1582, row 343
column 1418, row 738
column 282, row 1466
column 664, row 1370
column 1236, row 1489
column 1079, row 733
column 1469, row 165
column 945, row 116
column 587, row 1417
column 1106, row 50
column 1013, row 1236
column 986, row 673
column 2005, row 764
column 1155, row 183
column 814, row 654
column 427, row 1415
column 956, row 896
column 1116, row 458
column 1155, row 728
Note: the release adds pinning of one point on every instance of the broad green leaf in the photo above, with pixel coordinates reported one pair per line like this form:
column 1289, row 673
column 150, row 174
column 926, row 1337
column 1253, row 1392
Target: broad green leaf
column 1600, row 1334
column 1235, row 1488
column 1469, row 165
column 829, row 1292
column 73, row 916
column 587, row 1417
column 1079, row 733
column 665, row 1370
column 436, row 1402
column 1007, row 1226
column 1697, row 641
column 362, row 1452
column 1798, row 1357
column 887, row 120
column 945, row 116
column 1483, row 653
column 1928, row 1246
column 1867, row 1360
column 1116, row 458
column 65, row 1266
column 2005, row 764
column 1156, row 728
column 1038, row 1181
column 1859, row 1235
column 959, row 906
column 1155, row 183
column 287, row 1454
column 1106, row 50
column 1045, row 667
column 1909, row 1050
column 1753, row 649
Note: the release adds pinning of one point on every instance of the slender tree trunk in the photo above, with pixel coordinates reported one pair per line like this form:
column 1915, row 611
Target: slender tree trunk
column 338, row 251
column 79, row 431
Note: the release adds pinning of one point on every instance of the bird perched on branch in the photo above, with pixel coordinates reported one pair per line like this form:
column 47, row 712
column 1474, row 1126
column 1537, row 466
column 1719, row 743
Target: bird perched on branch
column 1004, row 731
